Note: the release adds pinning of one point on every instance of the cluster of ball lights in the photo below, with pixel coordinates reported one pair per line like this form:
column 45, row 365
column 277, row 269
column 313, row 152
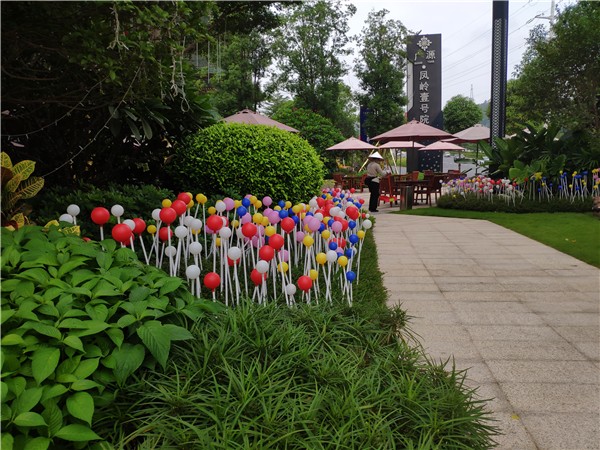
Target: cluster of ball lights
column 327, row 232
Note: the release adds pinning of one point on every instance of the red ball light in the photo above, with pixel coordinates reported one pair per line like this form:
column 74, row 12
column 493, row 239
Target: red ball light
column 249, row 229
column 184, row 197
column 168, row 215
column 305, row 283
column 257, row 277
column 140, row 225
column 352, row 212
column 212, row 280
column 288, row 224
column 179, row 207
column 100, row 215
column 214, row 222
column 122, row 233
column 276, row 241
column 165, row 233
column 266, row 252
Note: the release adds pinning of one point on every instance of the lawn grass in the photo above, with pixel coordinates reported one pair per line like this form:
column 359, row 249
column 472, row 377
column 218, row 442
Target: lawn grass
column 576, row 234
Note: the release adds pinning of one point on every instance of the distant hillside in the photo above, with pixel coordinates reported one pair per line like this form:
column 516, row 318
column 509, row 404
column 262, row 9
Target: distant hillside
column 484, row 108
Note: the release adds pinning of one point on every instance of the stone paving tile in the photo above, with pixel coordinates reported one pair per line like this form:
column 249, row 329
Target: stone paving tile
column 415, row 295
column 495, row 318
column 393, row 279
column 514, row 434
column 498, row 308
column 578, row 334
column 570, row 318
column 494, row 396
column 544, row 371
column 419, row 306
column 445, row 349
column 564, row 432
column 529, row 350
column 434, row 317
column 590, row 349
column 577, row 306
column 552, row 397
column 512, row 333
column 480, row 296
column 441, row 332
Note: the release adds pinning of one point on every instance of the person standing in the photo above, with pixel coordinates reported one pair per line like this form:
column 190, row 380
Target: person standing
column 374, row 171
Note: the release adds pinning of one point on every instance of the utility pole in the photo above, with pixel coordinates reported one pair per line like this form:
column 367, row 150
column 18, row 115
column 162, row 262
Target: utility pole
column 551, row 18
column 499, row 68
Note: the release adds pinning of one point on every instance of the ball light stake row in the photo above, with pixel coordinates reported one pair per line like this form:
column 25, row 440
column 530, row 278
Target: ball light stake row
column 250, row 237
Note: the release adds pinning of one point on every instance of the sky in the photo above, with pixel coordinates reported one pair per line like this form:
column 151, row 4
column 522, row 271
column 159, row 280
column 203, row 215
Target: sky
column 466, row 29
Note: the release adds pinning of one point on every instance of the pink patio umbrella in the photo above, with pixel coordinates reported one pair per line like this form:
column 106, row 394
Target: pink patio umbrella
column 409, row 132
column 352, row 143
column 253, row 118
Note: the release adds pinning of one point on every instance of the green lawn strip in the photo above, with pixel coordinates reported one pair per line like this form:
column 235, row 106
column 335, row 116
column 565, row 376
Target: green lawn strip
column 576, row 234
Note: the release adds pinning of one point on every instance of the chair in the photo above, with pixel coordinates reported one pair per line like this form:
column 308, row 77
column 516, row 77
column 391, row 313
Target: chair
column 339, row 180
column 385, row 188
column 424, row 191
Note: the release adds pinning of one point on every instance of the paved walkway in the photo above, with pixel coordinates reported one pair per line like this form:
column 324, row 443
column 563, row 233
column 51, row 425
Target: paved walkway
column 521, row 317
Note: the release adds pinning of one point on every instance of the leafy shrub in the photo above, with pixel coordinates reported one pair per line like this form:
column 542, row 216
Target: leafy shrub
column 252, row 159
column 472, row 203
column 17, row 185
column 298, row 378
column 77, row 322
column 138, row 201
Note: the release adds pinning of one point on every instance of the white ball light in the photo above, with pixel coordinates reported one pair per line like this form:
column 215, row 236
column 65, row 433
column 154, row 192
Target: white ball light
column 195, row 248
column 187, row 220
column 181, row 232
column 313, row 203
column 225, row 232
column 220, row 206
column 367, row 224
column 117, row 210
column 130, row 223
column 262, row 266
column 66, row 218
column 170, row 251
column 192, row 272
column 73, row 210
column 332, row 256
column 156, row 214
column 333, row 212
column 319, row 217
column 196, row 225
column 234, row 253
column 290, row 289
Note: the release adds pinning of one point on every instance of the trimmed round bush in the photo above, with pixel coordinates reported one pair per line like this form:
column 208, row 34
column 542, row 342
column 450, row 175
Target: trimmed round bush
column 239, row 159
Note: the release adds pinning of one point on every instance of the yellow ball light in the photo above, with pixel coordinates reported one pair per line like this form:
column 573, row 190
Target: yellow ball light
column 201, row 198
column 288, row 204
column 296, row 209
column 277, row 208
column 190, row 205
column 258, row 204
column 151, row 229
column 235, row 223
column 166, row 203
column 265, row 221
column 321, row 258
column 282, row 267
column 314, row 275
column 212, row 210
column 257, row 218
column 270, row 230
column 325, row 234
column 308, row 241
column 360, row 234
column 237, row 204
column 343, row 261
column 253, row 199
column 218, row 242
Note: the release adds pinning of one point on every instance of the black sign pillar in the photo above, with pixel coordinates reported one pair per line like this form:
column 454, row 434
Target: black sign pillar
column 424, row 83
column 499, row 68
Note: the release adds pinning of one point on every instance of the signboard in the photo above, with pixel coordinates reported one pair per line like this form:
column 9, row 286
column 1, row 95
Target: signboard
column 424, row 82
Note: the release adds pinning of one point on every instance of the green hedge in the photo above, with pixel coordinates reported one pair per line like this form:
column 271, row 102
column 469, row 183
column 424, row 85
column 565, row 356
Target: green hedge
column 238, row 159
column 473, row 203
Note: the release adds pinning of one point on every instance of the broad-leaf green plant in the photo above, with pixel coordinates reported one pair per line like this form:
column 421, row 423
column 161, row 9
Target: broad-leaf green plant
column 78, row 320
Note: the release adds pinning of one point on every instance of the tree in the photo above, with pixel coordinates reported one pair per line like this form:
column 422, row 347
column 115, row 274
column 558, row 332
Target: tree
column 380, row 70
column 459, row 113
column 100, row 90
column 245, row 61
column 310, row 46
column 316, row 129
column 560, row 81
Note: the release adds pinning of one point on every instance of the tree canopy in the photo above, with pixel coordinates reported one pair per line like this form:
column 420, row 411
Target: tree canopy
column 459, row 113
column 380, row 70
